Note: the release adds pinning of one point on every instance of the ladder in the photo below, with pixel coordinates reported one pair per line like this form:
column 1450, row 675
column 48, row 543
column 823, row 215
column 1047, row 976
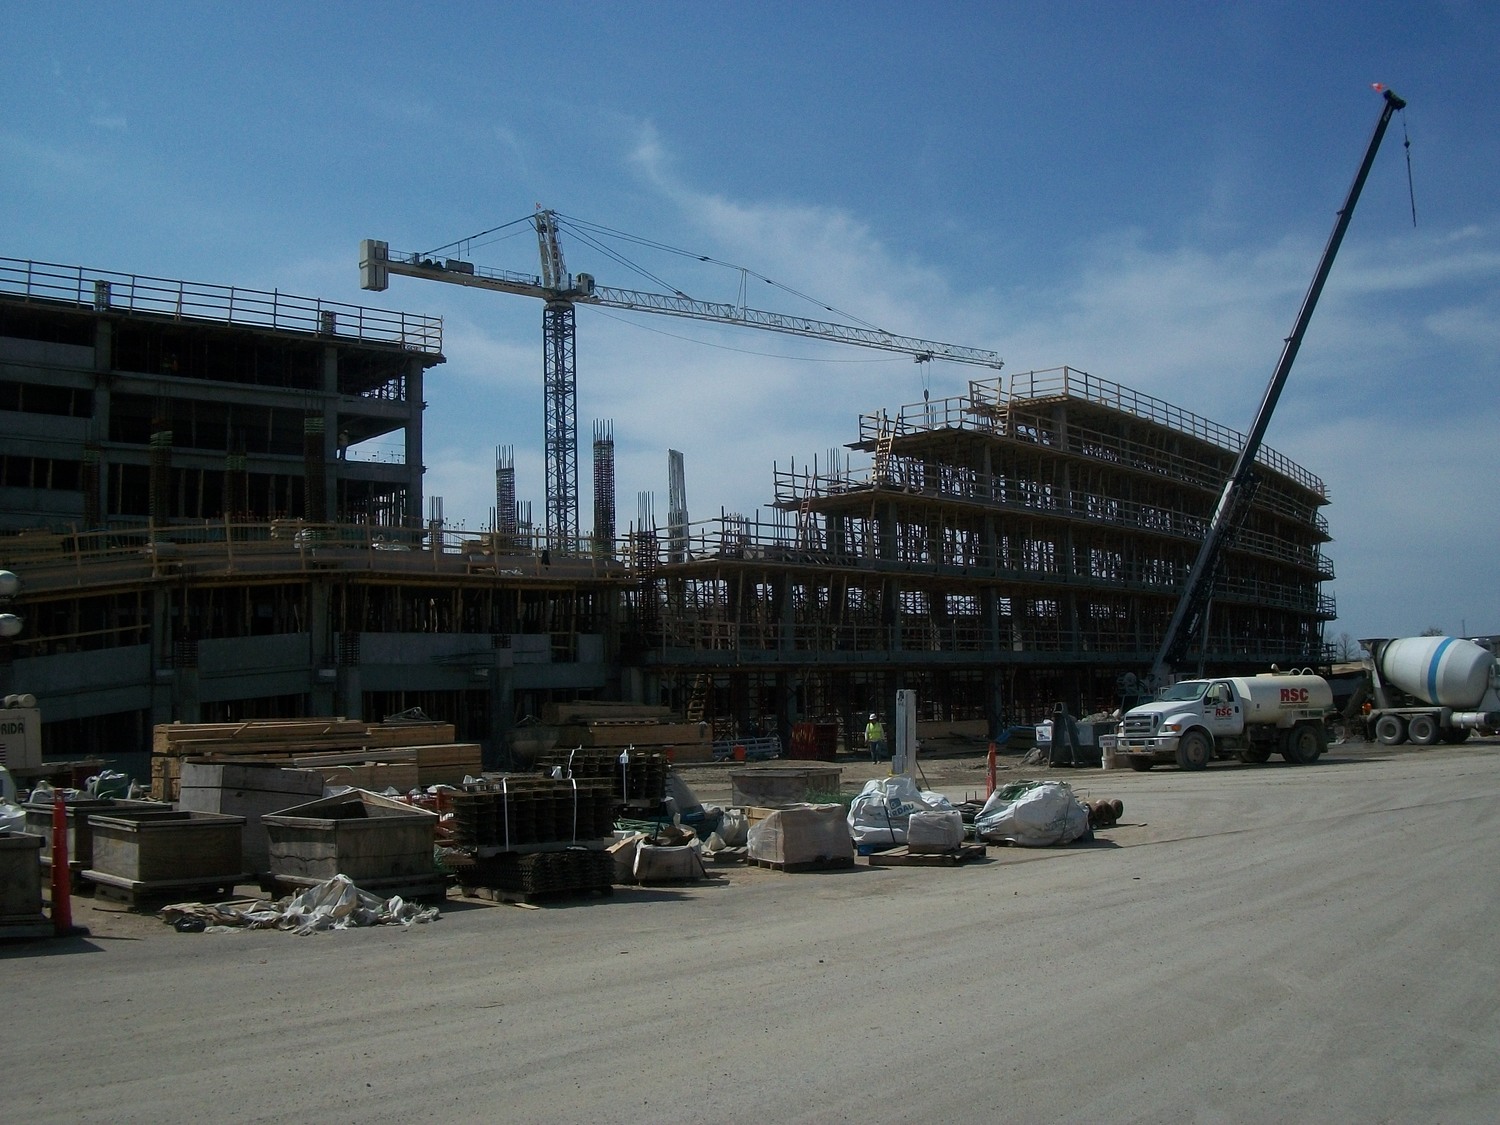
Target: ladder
column 698, row 702
column 804, row 520
column 884, row 440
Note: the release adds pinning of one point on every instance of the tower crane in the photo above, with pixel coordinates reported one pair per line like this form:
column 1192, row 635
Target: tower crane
column 561, row 291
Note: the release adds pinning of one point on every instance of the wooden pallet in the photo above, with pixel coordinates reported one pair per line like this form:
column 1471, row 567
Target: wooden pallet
column 900, row 856
column 135, row 892
column 535, row 898
column 834, row 863
column 413, row 888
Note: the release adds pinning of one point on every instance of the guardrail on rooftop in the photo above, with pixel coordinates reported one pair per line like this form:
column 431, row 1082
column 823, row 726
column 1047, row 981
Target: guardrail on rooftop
column 105, row 290
column 987, row 398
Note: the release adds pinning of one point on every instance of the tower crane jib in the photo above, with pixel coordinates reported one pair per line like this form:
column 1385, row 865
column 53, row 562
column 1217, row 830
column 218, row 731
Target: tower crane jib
column 562, row 291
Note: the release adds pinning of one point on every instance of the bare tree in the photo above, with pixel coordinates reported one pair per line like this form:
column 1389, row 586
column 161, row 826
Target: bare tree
column 1434, row 631
column 1346, row 649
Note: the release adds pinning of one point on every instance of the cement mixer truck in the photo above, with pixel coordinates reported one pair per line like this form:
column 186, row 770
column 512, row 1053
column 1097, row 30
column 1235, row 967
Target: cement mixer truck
column 1248, row 717
column 1428, row 690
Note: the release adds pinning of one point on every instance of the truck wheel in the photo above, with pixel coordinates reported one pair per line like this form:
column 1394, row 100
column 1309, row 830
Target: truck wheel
column 1255, row 756
column 1194, row 751
column 1390, row 730
column 1423, row 730
column 1454, row 735
column 1305, row 744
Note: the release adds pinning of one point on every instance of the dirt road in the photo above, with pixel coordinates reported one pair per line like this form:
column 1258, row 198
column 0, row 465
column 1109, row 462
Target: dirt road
column 1251, row 944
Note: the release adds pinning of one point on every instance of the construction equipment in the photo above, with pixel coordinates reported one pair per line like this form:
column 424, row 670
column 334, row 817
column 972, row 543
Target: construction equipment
column 1431, row 689
column 1251, row 717
column 1234, row 501
column 561, row 291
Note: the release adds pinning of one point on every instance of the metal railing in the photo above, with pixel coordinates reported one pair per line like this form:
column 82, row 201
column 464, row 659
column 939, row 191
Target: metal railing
column 989, row 400
column 108, row 291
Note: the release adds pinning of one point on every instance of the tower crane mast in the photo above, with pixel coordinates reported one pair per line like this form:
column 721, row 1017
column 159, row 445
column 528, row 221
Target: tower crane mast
column 562, row 291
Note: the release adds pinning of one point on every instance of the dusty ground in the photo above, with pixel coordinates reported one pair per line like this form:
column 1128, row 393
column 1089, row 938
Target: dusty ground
column 1252, row 944
column 956, row 770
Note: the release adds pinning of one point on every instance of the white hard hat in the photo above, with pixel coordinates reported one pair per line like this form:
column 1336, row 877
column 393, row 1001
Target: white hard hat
column 872, row 714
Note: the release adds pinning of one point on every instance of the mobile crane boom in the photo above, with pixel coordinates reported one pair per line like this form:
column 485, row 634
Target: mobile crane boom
column 1234, row 500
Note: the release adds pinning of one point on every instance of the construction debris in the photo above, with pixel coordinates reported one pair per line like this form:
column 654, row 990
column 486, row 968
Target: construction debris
column 335, row 904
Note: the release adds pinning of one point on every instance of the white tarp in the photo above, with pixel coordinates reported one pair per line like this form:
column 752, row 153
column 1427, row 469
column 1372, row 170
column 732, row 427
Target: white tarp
column 334, row 904
column 1034, row 814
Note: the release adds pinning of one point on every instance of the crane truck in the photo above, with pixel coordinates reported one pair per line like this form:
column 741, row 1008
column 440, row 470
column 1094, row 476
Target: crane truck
column 1428, row 690
column 1194, row 721
column 1248, row 717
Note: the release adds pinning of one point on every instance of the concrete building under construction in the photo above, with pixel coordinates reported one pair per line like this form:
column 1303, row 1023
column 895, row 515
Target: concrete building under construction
column 214, row 499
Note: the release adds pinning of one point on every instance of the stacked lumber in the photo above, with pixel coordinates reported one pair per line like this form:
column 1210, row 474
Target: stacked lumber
column 378, row 756
column 185, row 740
column 407, row 733
column 620, row 733
column 591, row 710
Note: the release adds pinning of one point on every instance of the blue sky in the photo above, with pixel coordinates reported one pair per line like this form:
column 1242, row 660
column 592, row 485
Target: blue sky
column 1140, row 191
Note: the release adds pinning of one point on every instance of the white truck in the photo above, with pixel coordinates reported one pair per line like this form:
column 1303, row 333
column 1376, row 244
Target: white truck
column 1427, row 690
column 1251, row 717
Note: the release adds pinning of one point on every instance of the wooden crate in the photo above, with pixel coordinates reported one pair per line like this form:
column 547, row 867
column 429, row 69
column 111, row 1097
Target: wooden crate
column 249, row 791
column 361, row 835
column 20, row 884
column 152, row 847
column 80, row 834
column 782, row 785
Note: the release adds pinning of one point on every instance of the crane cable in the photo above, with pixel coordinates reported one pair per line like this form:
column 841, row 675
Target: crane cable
column 575, row 227
column 635, row 323
column 1410, row 190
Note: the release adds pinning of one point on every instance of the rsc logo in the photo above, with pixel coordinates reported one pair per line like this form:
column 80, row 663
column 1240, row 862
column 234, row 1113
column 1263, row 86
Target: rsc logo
column 1293, row 695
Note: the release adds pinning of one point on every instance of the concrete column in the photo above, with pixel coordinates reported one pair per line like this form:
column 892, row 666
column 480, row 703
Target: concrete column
column 332, row 464
column 783, row 608
column 502, row 714
column 994, row 699
column 414, row 452
column 350, row 692
column 786, row 710
column 323, row 695
column 104, row 344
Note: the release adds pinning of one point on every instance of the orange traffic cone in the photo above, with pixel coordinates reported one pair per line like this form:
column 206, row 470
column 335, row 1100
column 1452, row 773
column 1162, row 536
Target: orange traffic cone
column 62, row 876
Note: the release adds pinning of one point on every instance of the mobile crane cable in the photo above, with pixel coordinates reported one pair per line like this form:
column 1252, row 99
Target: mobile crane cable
column 1410, row 190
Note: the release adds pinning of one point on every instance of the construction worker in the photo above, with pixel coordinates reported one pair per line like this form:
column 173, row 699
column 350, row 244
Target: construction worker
column 875, row 737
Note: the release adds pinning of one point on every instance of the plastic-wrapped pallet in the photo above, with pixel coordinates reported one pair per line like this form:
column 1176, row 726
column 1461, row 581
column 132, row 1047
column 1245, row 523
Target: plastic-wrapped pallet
column 802, row 834
column 935, row 831
column 668, row 864
column 878, row 815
